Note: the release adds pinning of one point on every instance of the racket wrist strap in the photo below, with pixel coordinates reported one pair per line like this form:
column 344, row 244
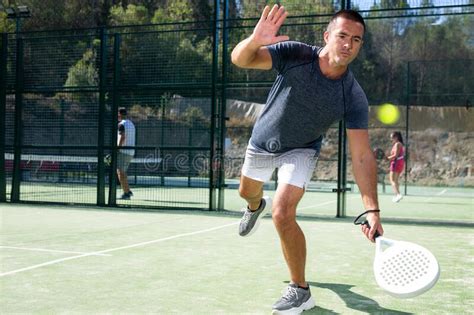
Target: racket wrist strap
column 358, row 222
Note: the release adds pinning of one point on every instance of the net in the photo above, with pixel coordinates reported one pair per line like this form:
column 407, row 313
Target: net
column 73, row 179
column 68, row 169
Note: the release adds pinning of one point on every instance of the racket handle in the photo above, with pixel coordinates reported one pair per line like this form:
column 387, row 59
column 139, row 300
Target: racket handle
column 368, row 225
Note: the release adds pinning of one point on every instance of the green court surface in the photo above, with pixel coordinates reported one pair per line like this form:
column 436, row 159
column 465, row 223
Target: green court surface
column 457, row 207
column 443, row 204
column 58, row 259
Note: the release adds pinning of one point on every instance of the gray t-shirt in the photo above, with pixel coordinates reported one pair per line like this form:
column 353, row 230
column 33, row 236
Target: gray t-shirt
column 303, row 103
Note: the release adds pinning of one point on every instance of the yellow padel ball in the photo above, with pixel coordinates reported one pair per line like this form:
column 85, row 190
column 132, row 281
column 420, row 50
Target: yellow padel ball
column 388, row 114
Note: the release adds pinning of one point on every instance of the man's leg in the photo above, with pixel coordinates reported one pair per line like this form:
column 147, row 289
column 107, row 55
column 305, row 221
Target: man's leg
column 123, row 161
column 297, row 297
column 123, row 179
column 292, row 239
column 252, row 191
column 257, row 205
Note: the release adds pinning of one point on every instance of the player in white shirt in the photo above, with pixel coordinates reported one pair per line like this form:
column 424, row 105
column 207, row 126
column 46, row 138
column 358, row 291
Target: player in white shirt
column 125, row 138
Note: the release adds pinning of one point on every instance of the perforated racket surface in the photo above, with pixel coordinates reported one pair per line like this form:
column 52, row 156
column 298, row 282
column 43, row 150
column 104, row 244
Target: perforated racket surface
column 404, row 269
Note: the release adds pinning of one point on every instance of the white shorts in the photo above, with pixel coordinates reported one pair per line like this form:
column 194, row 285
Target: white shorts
column 295, row 167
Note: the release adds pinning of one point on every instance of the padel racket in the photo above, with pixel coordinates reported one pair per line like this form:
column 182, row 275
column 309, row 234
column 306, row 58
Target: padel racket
column 403, row 269
column 379, row 154
column 108, row 159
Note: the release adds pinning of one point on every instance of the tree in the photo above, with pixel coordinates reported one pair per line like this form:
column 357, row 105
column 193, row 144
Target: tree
column 176, row 10
column 84, row 73
column 5, row 25
column 131, row 15
column 439, row 43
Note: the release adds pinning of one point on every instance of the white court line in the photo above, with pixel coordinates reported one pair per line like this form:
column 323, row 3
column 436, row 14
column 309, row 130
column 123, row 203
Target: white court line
column 323, row 203
column 47, row 250
column 442, row 192
column 56, row 261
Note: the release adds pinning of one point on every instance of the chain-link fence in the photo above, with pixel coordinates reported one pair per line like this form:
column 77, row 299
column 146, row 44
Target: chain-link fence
column 193, row 111
column 62, row 94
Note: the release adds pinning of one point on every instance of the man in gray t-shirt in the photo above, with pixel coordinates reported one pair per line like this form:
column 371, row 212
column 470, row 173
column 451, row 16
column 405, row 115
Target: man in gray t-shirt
column 313, row 89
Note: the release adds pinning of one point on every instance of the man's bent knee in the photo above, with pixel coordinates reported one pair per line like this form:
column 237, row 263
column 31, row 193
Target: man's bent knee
column 250, row 188
column 246, row 193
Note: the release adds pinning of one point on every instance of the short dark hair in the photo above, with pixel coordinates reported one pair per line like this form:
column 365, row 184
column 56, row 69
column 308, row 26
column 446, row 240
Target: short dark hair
column 123, row 111
column 348, row 14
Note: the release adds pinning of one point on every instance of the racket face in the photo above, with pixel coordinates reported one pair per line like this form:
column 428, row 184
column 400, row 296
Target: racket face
column 405, row 269
column 379, row 154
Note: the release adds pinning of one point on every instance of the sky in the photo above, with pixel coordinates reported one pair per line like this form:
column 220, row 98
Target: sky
column 366, row 4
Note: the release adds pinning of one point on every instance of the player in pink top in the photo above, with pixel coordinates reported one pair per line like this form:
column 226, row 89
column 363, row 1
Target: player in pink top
column 397, row 163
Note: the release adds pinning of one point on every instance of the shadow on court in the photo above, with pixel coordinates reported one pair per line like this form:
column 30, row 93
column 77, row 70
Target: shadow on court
column 353, row 300
column 319, row 310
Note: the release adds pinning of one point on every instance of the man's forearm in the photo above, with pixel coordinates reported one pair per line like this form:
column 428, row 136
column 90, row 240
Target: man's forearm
column 245, row 52
column 365, row 173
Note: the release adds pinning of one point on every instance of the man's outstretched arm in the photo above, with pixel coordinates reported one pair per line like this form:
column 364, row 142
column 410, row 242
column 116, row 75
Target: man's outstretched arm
column 364, row 167
column 252, row 52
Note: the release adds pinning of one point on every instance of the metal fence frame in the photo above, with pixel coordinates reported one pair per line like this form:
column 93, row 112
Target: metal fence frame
column 219, row 26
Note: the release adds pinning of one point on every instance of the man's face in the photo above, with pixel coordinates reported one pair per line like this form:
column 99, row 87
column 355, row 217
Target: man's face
column 344, row 40
column 119, row 117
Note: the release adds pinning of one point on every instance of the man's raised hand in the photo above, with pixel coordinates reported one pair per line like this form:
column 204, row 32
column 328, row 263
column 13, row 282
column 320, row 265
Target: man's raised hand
column 266, row 30
column 252, row 53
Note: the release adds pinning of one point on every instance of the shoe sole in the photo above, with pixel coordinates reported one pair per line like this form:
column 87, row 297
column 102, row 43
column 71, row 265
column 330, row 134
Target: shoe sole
column 298, row 310
column 268, row 206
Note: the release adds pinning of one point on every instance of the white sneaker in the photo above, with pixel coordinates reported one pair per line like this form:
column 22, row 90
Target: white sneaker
column 295, row 301
column 397, row 198
column 251, row 219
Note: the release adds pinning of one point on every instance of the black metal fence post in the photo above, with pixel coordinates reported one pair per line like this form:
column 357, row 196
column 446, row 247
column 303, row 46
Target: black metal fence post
column 214, row 104
column 223, row 108
column 342, row 155
column 341, row 171
column 101, row 120
column 16, row 179
column 407, row 128
column 3, row 102
column 115, row 107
